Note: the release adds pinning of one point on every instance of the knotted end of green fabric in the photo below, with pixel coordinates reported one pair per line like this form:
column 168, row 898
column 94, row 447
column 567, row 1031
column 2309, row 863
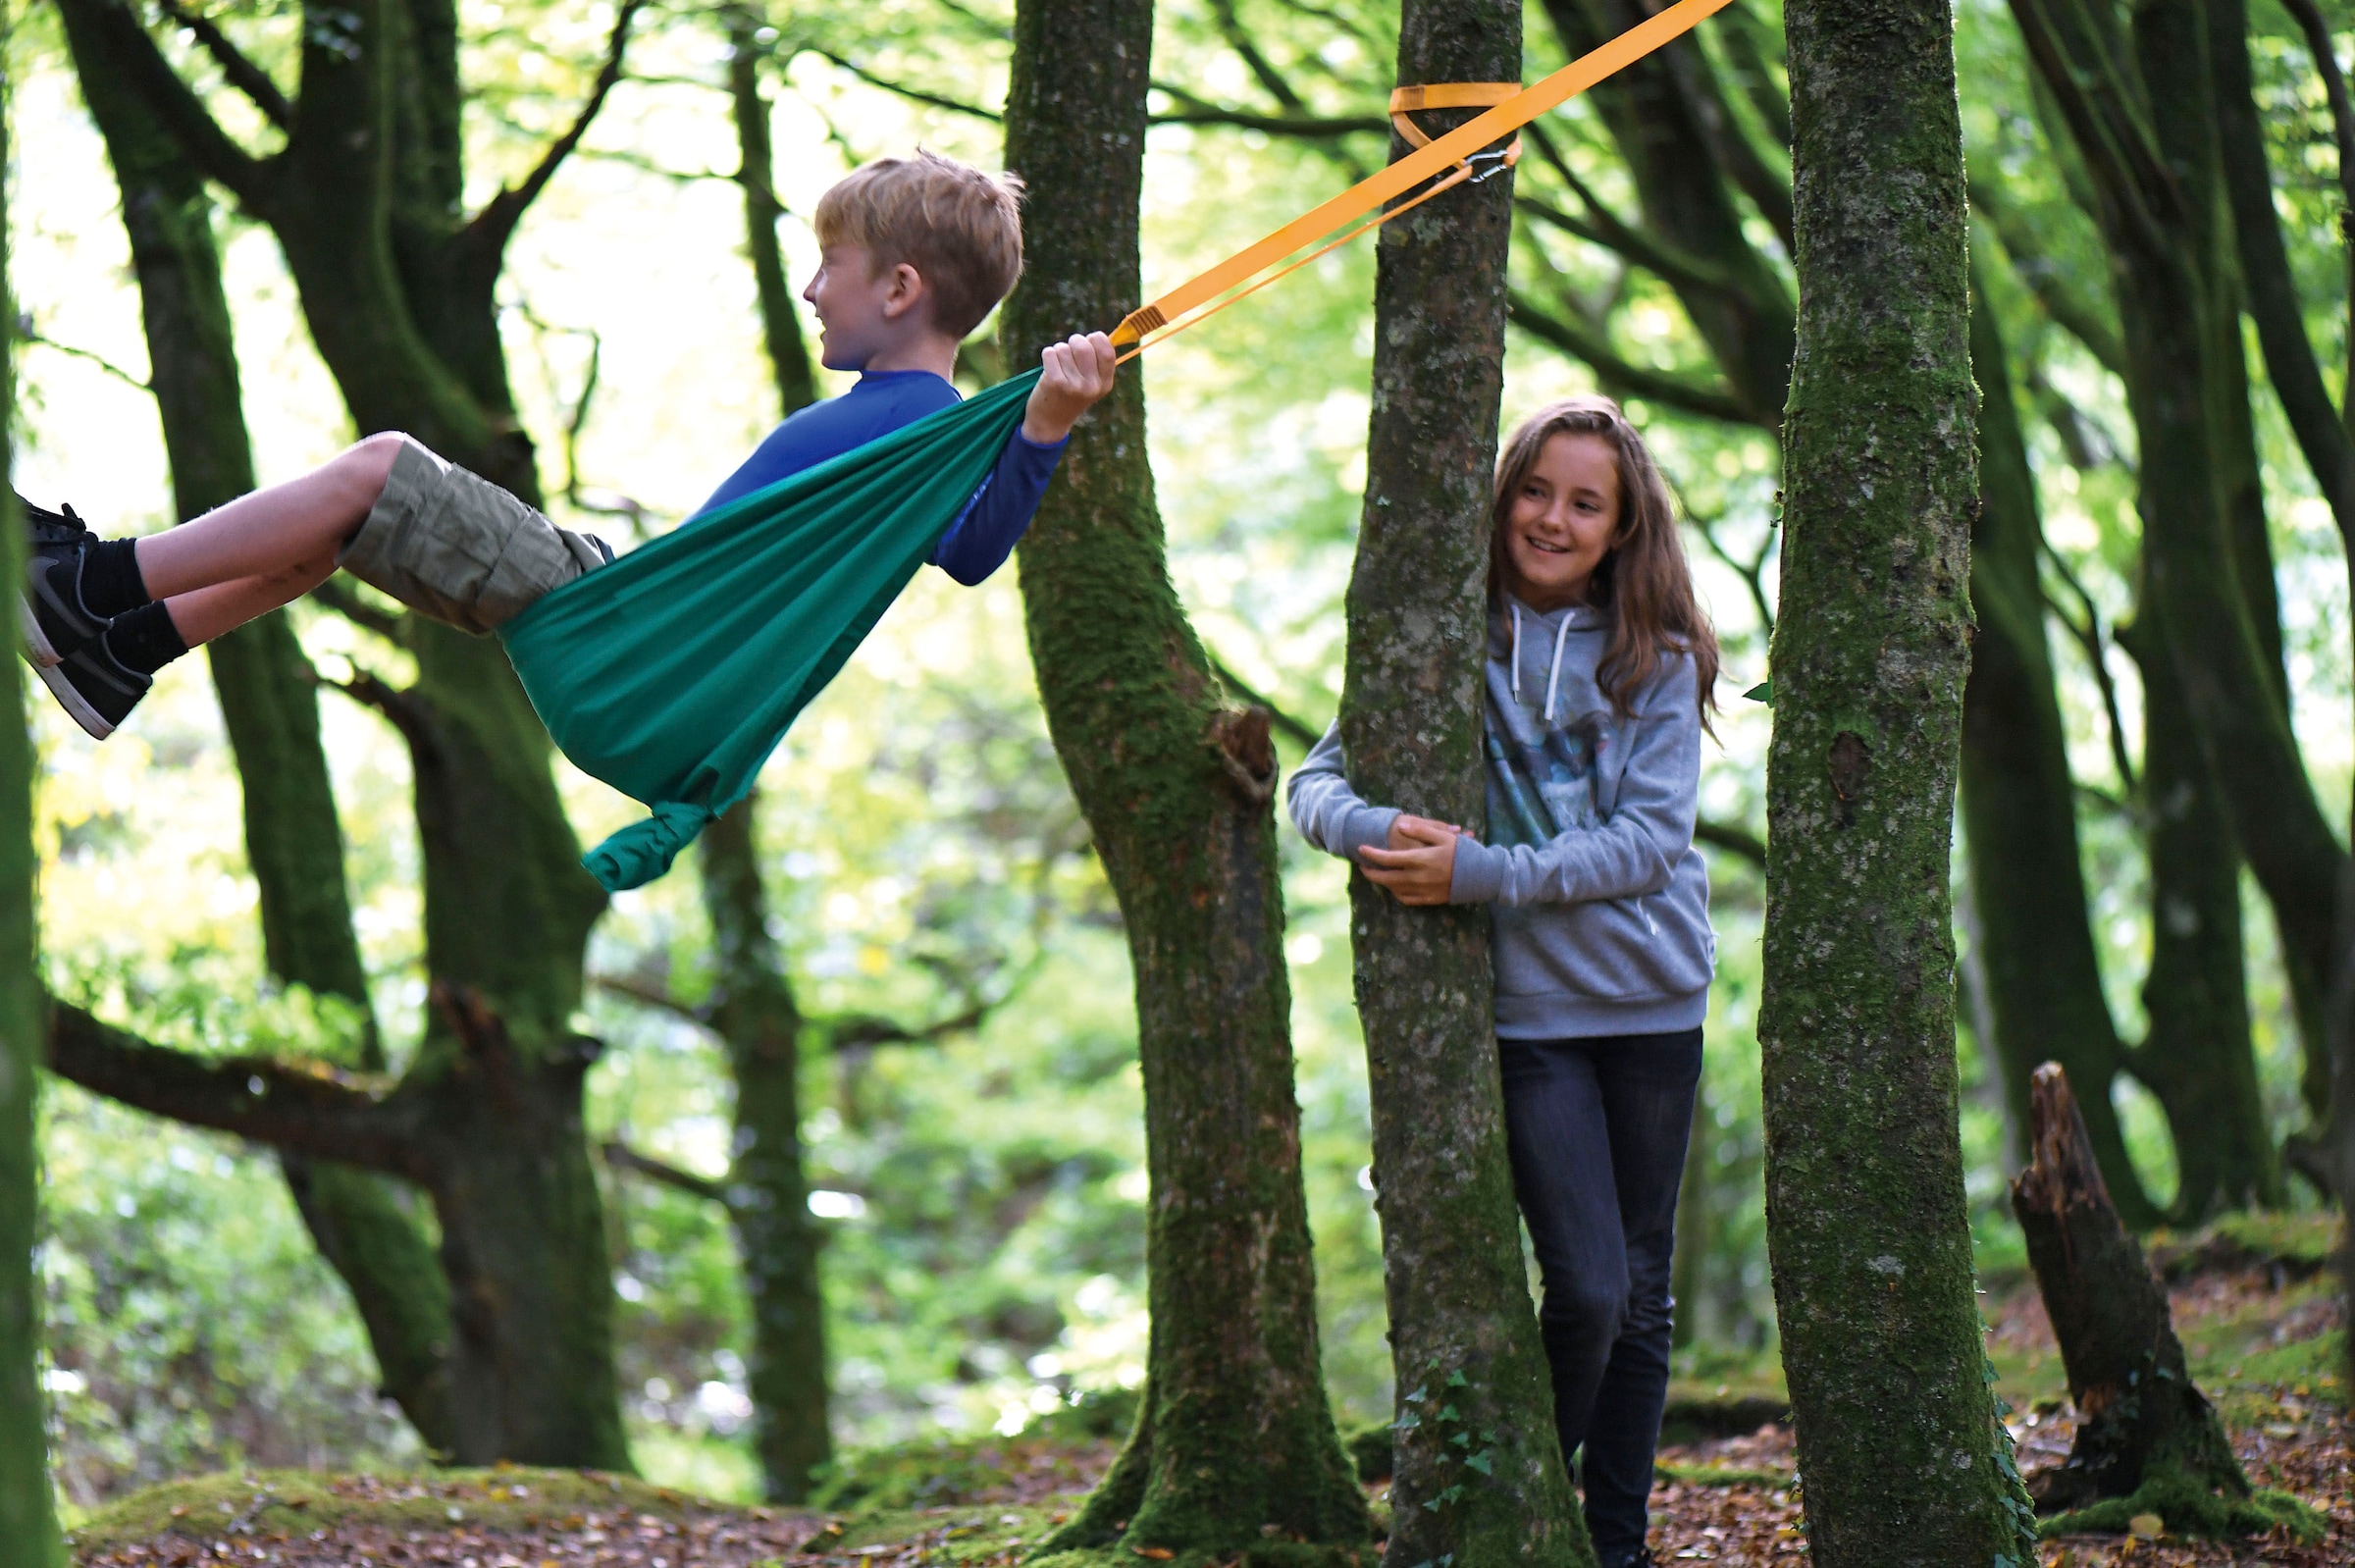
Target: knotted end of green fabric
column 643, row 851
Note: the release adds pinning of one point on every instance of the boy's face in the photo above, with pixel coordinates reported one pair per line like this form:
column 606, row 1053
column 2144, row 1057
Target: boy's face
column 864, row 310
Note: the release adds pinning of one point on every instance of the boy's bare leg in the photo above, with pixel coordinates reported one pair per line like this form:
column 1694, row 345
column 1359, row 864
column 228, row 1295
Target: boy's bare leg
column 208, row 612
column 278, row 536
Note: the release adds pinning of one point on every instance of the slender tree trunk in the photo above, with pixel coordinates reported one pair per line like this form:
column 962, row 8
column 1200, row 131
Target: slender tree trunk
column 1234, row 1441
column 1865, row 1209
column 27, row 1519
column 2147, row 1441
column 1462, row 1336
column 752, row 1002
column 270, row 706
column 768, row 1193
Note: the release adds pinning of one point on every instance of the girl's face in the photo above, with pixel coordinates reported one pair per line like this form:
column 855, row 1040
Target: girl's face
column 1563, row 522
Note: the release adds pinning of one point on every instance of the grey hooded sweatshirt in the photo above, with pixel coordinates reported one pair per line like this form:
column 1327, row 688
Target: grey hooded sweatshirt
column 1598, row 901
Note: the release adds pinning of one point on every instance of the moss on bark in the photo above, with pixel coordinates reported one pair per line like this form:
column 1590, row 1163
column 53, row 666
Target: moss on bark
column 1865, row 1207
column 1234, row 1452
column 1478, row 1471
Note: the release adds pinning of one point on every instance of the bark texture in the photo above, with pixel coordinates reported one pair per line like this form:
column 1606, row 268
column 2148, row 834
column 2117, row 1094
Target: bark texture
column 1865, row 1201
column 1463, row 1339
column 1235, row 1450
column 2147, row 1441
column 270, row 706
column 29, row 1536
column 398, row 283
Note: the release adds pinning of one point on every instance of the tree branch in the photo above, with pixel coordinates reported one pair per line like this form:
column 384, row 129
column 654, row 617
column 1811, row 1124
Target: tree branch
column 26, row 335
column 339, row 595
column 912, row 94
column 1298, row 729
column 491, row 227
column 855, row 1031
column 621, row 1157
column 242, row 73
column 648, row 993
column 114, row 28
column 1601, row 227
column 2088, row 636
column 1665, row 388
column 305, row 1107
column 1733, row 839
column 1198, row 111
column 2050, row 284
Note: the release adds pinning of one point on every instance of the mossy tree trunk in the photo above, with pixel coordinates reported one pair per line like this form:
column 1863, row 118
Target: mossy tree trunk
column 270, row 706
column 396, row 283
column 1463, row 1339
column 1866, row 1216
column 2156, row 181
column 27, row 1515
column 1235, row 1446
column 2147, row 1441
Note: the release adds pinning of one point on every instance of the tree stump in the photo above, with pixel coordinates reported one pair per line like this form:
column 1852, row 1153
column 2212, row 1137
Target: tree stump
column 2148, row 1440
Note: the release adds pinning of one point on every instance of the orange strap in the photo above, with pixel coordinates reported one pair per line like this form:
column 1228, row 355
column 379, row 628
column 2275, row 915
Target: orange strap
column 1511, row 109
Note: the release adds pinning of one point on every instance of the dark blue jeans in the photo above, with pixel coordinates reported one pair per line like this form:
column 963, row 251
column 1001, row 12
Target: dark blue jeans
column 1597, row 1131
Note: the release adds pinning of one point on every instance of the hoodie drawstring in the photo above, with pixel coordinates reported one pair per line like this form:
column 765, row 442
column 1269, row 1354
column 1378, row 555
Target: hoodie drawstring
column 1554, row 679
column 1516, row 653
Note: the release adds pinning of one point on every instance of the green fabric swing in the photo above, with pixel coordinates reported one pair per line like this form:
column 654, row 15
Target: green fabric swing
column 674, row 671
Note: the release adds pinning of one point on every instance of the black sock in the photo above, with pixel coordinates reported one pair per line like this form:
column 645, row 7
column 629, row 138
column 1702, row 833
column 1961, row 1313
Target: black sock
column 144, row 640
column 110, row 583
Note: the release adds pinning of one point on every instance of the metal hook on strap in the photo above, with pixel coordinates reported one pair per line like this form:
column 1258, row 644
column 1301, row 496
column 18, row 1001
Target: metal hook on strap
column 1405, row 101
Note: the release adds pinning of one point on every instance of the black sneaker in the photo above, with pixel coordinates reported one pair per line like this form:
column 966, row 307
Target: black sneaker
column 54, row 618
column 94, row 688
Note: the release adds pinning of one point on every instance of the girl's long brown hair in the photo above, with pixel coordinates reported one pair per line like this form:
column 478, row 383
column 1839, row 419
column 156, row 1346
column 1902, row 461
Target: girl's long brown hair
column 1643, row 579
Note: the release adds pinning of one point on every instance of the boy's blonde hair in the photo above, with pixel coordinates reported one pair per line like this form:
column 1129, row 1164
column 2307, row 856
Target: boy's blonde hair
column 959, row 228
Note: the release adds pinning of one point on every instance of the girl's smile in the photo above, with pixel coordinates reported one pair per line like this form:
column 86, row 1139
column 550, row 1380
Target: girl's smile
column 1563, row 522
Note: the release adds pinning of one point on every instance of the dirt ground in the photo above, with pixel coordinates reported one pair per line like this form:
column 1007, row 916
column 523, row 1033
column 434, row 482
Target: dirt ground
column 1723, row 1502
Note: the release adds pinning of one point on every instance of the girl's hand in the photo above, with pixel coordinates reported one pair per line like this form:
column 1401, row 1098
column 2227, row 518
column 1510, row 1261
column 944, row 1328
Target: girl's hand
column 1419, row 866
column 1074, row 376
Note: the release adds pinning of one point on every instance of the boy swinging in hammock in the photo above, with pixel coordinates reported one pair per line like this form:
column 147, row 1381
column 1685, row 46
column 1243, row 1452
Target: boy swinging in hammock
column 915, row 252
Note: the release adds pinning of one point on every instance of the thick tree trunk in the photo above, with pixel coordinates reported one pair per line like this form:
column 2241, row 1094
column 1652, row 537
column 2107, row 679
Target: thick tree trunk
column 1234, row 1441
column 2044, row 981
column 1866, row 1209
column 270, row 706
column 397, row 291
column 27, row 1519
column 1462, row 1335
column 768, row 1193
column 2147, row 1441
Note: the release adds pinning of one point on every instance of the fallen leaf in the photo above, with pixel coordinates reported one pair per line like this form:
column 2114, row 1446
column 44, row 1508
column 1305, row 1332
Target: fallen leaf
column 1157, row 1554
column 2149, row 1527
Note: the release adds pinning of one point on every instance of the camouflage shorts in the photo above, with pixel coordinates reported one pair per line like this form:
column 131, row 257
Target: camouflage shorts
column 460, row 548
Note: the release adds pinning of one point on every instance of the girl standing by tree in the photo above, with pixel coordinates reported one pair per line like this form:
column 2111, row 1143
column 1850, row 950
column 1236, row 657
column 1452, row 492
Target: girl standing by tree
column 1600, row 671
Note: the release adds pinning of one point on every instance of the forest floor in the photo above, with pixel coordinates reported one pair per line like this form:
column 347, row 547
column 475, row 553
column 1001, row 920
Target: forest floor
column 2261, row 1323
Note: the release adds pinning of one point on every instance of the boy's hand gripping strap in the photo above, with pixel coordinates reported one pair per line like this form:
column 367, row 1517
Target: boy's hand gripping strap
column 1458, row 152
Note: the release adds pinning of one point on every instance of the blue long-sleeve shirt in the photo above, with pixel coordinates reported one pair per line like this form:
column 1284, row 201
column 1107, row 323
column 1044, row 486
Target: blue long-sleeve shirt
column 983, row 535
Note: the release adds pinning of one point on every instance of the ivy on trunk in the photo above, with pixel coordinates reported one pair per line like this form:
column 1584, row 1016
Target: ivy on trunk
column 1867, row 1216
column 1234, row 1447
